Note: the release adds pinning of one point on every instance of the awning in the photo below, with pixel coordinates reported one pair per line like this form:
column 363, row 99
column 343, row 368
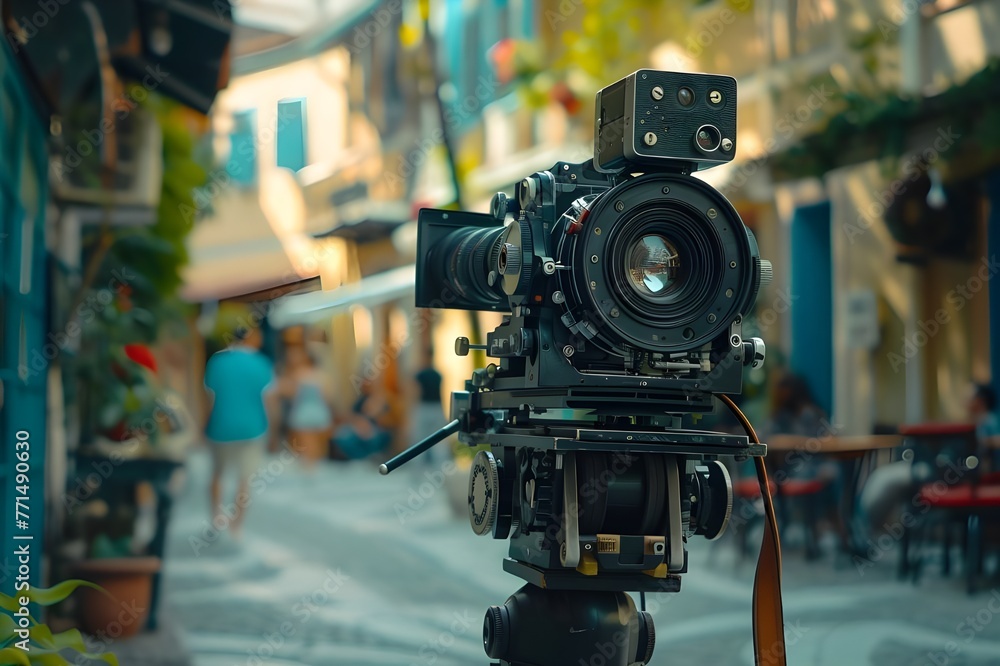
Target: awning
column 319, row 306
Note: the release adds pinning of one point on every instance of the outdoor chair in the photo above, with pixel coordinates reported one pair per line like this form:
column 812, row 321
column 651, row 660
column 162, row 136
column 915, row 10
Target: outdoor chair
column 949, row 493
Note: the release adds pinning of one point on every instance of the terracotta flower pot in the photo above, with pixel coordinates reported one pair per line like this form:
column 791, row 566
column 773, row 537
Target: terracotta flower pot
column 123, row 611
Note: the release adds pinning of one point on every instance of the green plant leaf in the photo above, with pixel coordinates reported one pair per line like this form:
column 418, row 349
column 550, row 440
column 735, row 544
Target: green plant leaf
column 14, row 656
column 70, row 639
column 59, row 592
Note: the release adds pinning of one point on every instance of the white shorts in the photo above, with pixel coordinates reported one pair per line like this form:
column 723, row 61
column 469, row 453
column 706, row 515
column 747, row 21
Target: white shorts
column 246, row 455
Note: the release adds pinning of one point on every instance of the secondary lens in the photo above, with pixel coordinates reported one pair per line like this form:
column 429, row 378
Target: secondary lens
column 653, row 265
column 708, row 138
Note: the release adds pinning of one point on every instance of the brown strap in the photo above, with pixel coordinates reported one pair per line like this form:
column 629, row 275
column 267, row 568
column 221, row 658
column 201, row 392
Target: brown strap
column 768, row 617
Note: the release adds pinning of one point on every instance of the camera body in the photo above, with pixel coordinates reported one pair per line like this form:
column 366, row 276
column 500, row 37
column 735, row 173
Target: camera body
column 650, row 117
column 624, row 281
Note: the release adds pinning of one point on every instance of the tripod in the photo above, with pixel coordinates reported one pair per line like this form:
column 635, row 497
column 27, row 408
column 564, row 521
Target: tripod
column 542, row 627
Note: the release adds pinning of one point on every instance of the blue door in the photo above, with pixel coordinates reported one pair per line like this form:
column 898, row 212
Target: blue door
column 812, row 308
column 24, row 356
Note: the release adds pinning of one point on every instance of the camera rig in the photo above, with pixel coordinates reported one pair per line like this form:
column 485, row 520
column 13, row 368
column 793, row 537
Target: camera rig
column 625, row 281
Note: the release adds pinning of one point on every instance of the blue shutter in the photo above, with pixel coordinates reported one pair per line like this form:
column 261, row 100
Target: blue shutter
column 291, row 147
column 242, row 166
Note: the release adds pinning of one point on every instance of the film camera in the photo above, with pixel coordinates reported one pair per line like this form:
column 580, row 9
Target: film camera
column 625, row 281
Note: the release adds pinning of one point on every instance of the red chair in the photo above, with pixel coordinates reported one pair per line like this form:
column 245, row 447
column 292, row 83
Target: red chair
column 948, row 480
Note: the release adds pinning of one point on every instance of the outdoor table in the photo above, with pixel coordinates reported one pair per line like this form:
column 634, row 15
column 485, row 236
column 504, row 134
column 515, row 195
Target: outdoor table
column 859, row 448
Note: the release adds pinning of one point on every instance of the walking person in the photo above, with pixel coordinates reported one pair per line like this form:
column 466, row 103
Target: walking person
column 310, row 419
column 238, row 381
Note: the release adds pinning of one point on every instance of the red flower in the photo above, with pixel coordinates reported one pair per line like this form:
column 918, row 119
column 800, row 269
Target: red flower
column 142, row 355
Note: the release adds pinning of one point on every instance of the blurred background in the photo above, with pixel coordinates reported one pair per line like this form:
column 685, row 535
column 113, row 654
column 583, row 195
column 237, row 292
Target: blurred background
column 179, row 177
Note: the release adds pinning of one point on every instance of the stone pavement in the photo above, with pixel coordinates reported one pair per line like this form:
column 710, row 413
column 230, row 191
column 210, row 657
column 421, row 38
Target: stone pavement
column 333, row 569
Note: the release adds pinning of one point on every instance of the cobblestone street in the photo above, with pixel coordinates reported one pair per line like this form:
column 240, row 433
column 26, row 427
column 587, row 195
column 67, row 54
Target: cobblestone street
column 329, row 573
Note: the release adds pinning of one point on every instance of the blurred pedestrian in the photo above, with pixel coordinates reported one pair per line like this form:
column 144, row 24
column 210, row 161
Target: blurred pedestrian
column 310, row 419
column 368, row 429
column 816, row 477
column 428, row 414
column 239, row 382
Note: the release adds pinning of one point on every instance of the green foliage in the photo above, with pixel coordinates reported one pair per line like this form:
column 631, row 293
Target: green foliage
column 45, row 648
column 134, row 290
column 601, row 41
column 877, row 127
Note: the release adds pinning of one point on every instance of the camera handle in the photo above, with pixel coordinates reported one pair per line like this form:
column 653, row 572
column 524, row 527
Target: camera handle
column 420, row 447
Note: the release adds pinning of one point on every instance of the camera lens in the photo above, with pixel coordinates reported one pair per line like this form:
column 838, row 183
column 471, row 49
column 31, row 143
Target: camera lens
column 707, row 138
column 653, row 265
column 685, row 97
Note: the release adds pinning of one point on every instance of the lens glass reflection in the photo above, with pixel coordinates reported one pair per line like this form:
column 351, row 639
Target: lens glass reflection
column 653, row 265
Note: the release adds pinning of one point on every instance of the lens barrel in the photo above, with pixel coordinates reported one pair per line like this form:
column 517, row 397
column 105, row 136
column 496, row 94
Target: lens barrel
column 463, row 262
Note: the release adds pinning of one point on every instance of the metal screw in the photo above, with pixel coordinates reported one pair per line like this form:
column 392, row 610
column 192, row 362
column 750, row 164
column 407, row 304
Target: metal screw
column 650, row 138
column 588, row 546
column 565, row 167
column 597, row 231
column 614, row 312
column 593, row 259
column 712, row 213
column 568, row 351
column 711, row 318
column 666, row 190
column 549, row 267
column 729, row 293
column 619, row 206
column 735, row 340
column 727, row 144
column 732, row 264
column 557, row 297
column 715, row 97
column 657, row 93
column 593, row 284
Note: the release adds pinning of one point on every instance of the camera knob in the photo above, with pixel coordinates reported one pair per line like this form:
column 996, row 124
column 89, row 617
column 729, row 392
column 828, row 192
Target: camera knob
column 500, row 206
column 754, row 352
column 510, row 259
column 766, row 272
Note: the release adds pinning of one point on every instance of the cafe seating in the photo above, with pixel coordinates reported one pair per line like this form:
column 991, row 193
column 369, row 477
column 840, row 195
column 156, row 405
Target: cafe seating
column 949, row 492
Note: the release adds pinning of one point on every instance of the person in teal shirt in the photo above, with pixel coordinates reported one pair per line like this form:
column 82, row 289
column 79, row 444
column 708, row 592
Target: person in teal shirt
column 239, row 382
